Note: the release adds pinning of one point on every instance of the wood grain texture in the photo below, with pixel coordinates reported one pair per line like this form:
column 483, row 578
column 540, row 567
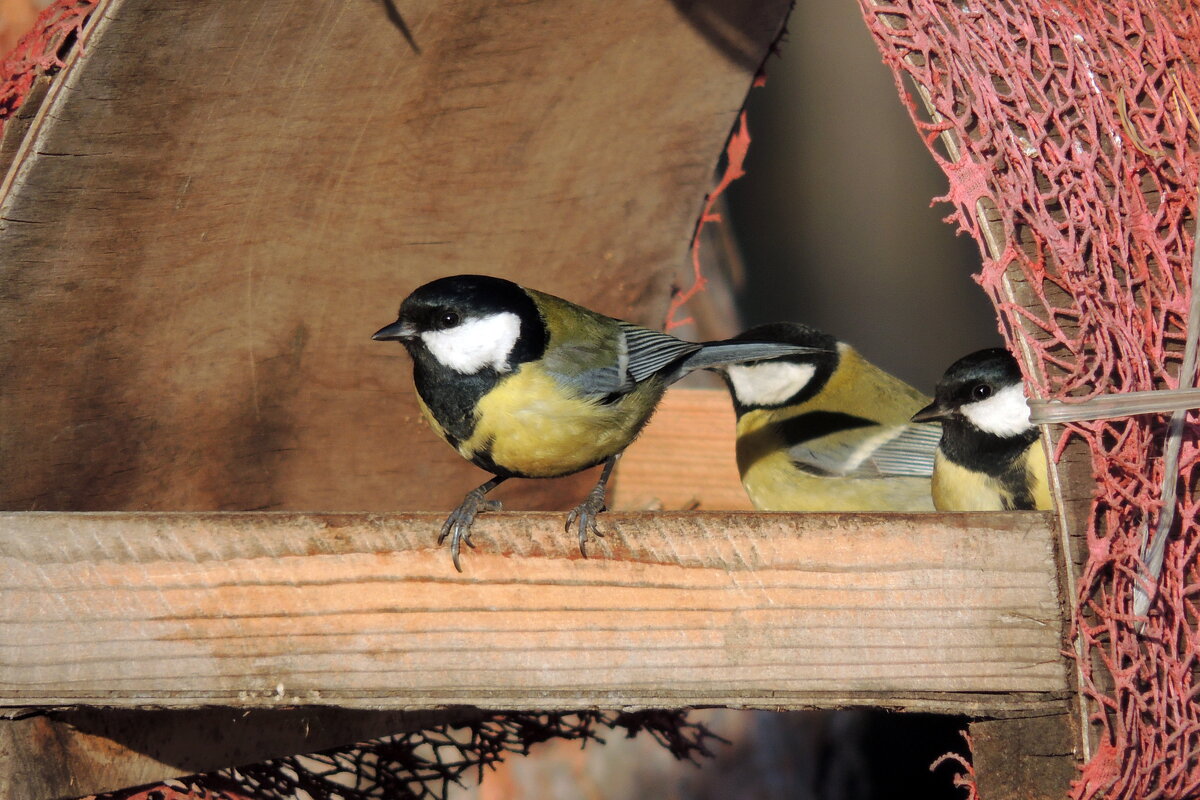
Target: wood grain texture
column 772, row 611
column 1030, row 758
column 218, row 203
column 685, row 458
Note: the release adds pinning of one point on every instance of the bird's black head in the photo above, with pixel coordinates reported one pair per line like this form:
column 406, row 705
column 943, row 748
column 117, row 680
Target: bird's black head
column 983, row 390
column 469, row 323
column 978, row 376
column 786, row 380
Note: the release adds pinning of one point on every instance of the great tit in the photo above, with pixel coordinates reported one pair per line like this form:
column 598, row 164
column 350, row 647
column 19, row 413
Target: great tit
column 826, row 430
column 525, row 384
column 991, row 457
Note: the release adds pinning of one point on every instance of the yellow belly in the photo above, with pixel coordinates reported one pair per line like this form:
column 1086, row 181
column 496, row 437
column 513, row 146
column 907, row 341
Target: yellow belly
column 958, row 489
column 774, row 484
column 530, row 426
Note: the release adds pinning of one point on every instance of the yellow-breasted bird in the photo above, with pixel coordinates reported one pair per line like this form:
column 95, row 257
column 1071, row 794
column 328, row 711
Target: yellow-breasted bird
column 525, row 384
column 826, row 430
column 991, row 457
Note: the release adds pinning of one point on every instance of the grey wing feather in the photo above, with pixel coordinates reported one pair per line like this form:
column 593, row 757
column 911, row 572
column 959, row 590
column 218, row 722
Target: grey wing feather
column 648, row 352
column 830, row 459
column 910, row 453
column 720, row 354
column 563, row 362
column 602, row 381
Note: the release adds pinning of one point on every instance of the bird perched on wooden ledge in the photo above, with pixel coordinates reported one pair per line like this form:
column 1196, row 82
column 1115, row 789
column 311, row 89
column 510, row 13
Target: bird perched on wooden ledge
column 990, row 457
column 524, row 384
column 826, row 430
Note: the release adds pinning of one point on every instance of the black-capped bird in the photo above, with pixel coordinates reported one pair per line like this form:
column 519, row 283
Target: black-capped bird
column 991, row 457
column 524, row 384
column 826, row 430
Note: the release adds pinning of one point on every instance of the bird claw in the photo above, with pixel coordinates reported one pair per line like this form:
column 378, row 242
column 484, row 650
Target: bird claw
column 585, row 514
column 458, row 525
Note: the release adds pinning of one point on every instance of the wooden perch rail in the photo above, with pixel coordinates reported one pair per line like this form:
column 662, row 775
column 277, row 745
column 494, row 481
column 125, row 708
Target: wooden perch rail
column 932, row 612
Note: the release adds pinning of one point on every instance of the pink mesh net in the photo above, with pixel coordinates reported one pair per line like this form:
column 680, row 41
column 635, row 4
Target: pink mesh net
column 37, row 52
column 735, row 157
column 1070, row 146
column 965, row 779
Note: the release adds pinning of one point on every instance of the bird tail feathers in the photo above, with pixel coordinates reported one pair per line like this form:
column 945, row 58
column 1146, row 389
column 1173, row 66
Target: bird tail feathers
column 721, row 354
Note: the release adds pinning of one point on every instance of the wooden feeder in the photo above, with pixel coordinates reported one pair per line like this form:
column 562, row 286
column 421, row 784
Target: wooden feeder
column 214, row 480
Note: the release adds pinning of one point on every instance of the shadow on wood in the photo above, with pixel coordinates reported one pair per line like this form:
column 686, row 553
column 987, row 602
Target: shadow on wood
column 69, row 753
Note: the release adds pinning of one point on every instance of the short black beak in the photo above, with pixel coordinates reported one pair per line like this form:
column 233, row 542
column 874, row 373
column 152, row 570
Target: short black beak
column 397, row 331
column 931, row 413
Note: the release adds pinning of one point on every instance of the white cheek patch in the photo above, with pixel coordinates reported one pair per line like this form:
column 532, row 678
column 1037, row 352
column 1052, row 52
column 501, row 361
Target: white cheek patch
column 768, row 383
column 1003, row 414
column 477, row 343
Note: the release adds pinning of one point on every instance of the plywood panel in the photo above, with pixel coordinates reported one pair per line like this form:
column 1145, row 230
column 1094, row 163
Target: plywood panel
column 218, row 203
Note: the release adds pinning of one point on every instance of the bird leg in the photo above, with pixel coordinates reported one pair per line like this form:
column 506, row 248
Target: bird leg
column 585, row 513
column 460, row 520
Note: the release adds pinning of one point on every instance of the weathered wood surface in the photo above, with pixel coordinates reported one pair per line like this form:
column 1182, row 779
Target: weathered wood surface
column 67, row 754
column 217, row 203
column 673, row 609
column 1025, row 758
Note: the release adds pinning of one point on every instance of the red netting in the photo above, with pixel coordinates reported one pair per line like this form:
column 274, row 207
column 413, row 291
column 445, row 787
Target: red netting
column 38, row 52
column 1071, row 155
column 964, row 779
column 735, row 159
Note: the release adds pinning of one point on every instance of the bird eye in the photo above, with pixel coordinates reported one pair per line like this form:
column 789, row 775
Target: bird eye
column 448, row 320
column 981, row 392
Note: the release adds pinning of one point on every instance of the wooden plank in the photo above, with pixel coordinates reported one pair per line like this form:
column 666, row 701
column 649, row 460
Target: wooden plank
column 1027, row 758
column 67, row 754
column 675, row 609
column 16, row 126
column 685, row 458
column 217, row 203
